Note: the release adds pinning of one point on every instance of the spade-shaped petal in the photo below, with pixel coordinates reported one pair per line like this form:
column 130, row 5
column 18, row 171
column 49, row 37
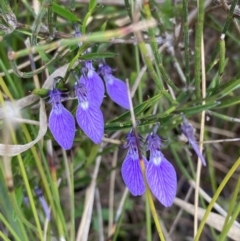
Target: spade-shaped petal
column 94, row 86
column 162, row 180
column 90, row 119
column 132, row 174
column 62, row 126
column 117, row 90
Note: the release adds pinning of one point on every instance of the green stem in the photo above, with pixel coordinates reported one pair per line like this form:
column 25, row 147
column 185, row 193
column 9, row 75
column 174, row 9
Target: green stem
column 8, row 226
column 70, row 181
column 21, row 74
column 151, row 203
column 186, row 40
column 50, row 20
column 96, row 37
column 4, row 237
column 37, row 23
column 224, row 117
column 231, row 207
column 148, row 220
column 215, row 197
column 229, row 18
column 18, row 212
column 56, row 210
column 199, row 35
column 25, row 177
column 222, row 51
column 154, row 46
column 230, row 223
column 152, row 72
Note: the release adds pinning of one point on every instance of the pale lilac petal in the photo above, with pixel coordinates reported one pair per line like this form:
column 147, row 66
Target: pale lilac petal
column 117, row 90
column 132, row 174
column 188, row 131
column 94, row 86
column 43, row 202
column 196, row 149
column 90, row 119
column 162, row 180
column 62, row 126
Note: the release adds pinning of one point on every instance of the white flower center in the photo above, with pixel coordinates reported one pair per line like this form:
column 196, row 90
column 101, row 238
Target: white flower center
column 157, row 160
column 109, row 79
column 90, row 73
column 84, row 105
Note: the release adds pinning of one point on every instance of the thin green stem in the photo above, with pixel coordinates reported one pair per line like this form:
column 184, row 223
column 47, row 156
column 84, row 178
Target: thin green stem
column 8, row 226
column 25, row 177
column 152, row 206
column 148, row 220
column 72, row 5
column 186, row 40
column 50, row 20
column 152, row 72
column 59, row 54
column 224, row 117
column 4, row 237
column 222, row 51
column 231, row 208
column 29, row 193
column 37, row 23
column 140, row 100
column 96, row 37
column 12, row 84
column 70, row 181
column 229, row 18
column 56, row 210
column 199, row 34
column 18, row 212
column 154, row 46
column 230, row 223
column 215, row 197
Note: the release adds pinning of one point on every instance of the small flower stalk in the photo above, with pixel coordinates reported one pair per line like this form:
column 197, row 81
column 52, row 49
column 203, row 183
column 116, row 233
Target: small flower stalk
column 61, row 121
column 160, row 173
column 116, row 88
column 188, row 131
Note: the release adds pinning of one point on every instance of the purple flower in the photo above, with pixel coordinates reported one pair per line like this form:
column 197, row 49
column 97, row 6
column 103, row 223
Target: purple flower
column 93, row 84
column 89, row 116
column 188, row 131
column 131, row 170
column 61, row 121
column 116, row 88
column 43, row 202
column 160, row 173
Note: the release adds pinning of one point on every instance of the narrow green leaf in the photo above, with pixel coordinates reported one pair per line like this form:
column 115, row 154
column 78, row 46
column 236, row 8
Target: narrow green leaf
column 226, row 88
column 103, row 27
column 138, row 109
column 230, row 101
column 101, row 55
column 198, row 109
column 89, row 14
column 65, row 13
column 92, row 5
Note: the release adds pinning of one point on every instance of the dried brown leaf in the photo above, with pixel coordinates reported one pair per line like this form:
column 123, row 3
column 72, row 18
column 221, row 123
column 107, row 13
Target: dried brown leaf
column 13, row 150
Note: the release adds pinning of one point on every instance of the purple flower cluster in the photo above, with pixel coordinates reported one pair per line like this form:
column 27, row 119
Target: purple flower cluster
column 160, row 173
column 89, row 90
